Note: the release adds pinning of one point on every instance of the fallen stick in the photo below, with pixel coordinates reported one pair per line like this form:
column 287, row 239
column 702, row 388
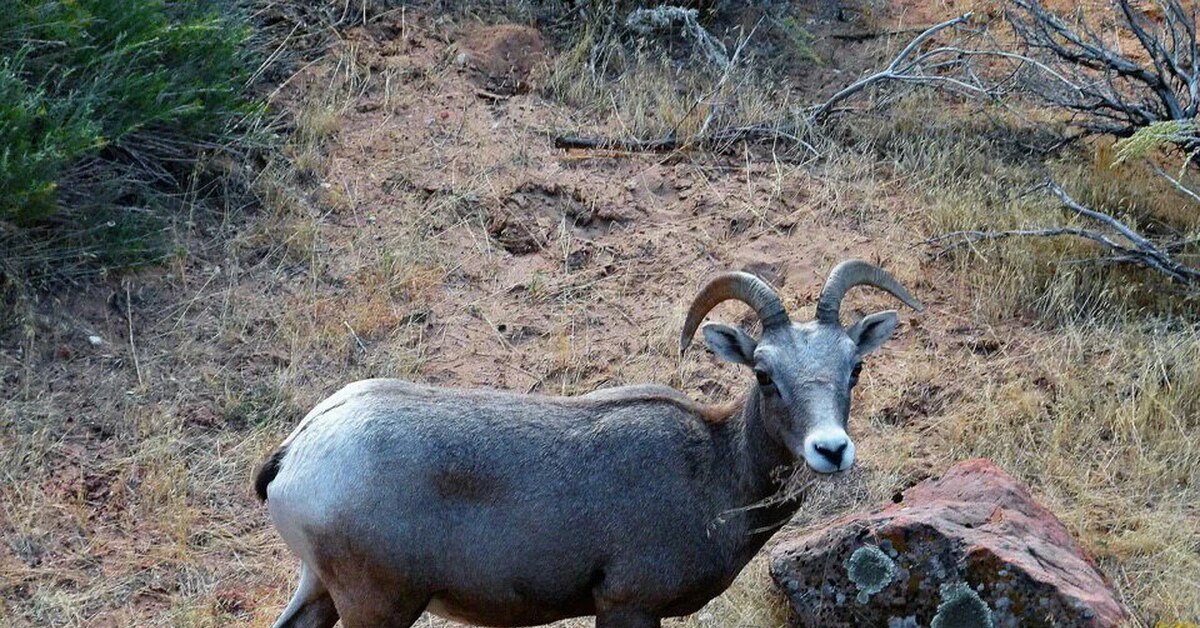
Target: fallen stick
column 719, row 140
column 866, row 35
column 608, row 143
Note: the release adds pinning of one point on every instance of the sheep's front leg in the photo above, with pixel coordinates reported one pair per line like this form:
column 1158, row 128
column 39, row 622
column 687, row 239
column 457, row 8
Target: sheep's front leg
column 627, row 619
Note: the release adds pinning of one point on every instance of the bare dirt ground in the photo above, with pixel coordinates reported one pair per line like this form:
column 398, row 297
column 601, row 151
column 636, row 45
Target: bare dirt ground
column 442, row 238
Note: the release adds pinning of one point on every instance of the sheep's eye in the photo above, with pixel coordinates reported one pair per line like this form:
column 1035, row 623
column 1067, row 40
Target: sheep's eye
column 763, row 378
column 854, row 374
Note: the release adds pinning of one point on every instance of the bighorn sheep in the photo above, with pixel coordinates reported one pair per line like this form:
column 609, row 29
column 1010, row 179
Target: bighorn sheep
column 631, row 504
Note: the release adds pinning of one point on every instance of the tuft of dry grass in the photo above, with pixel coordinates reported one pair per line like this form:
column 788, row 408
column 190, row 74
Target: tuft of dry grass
column 1101, row 422
column 642, row 90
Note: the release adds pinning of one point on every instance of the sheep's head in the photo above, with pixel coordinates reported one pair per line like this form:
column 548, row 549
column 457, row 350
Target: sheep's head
column 805, row 371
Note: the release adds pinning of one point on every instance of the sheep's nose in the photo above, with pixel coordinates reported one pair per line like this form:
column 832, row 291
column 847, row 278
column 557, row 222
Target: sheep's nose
column 832, row 452
column 829, row 451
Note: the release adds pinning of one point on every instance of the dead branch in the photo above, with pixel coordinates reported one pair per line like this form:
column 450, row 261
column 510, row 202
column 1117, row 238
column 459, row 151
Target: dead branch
column 869, row 35
column 1106, row 89
column 718, row 140
column 666, row 144
column 958, row 239
column 905, row 67
column 1062, row 64
column 1136, row 248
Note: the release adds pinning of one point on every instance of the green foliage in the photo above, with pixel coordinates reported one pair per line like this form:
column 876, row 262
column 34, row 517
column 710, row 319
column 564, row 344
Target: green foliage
column 1158, row 135
column 83, row 83
column 801, row 49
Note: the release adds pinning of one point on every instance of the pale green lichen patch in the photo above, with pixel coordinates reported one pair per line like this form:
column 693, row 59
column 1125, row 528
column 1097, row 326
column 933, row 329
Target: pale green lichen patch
column 961, row 607
column 870, row 569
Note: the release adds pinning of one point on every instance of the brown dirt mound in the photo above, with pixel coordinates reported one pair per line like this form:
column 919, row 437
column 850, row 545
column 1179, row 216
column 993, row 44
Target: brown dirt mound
column 502, row 58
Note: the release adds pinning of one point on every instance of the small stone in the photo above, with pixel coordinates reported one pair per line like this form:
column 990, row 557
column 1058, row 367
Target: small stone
column 95, row 340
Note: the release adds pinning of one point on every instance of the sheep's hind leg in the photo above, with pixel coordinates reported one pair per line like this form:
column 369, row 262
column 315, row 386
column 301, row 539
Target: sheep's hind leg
column 381, row 609
column 311, row 605
column 627, row 619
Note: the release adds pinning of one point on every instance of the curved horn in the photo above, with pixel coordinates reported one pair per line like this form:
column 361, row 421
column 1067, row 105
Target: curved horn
column 734, row 285
column 849, row 274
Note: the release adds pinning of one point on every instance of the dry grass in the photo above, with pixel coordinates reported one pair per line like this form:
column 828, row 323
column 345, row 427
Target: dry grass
column 1095, row 405
column 1111, row 446
column 643, row 91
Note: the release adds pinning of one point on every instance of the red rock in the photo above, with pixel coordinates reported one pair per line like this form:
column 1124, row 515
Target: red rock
column 905, row 564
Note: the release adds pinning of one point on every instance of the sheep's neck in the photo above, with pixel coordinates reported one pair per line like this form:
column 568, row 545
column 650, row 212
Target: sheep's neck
column 764, row 464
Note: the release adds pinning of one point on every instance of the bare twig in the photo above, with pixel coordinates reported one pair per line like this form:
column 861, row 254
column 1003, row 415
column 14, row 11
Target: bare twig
column 608, row 143
column 869, row 35
column 717, row 140
column 902, row 68
column 1136, row 250
column 353, row 334
column 1064, row 65
column 137, row 365
column 956, row 239
column 1178, row 185
column 1136, row 238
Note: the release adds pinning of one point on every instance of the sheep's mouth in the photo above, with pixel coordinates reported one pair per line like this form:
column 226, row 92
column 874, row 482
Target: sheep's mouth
column 802, row 481
column 826, row 495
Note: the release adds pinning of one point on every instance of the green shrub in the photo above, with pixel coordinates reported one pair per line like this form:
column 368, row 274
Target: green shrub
column 86, row 84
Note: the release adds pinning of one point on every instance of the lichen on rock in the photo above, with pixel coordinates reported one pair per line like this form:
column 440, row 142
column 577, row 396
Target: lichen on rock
column 961, row 607
column 870, row 569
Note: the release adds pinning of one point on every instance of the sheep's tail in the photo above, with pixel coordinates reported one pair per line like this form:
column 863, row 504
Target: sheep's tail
column 267, row 472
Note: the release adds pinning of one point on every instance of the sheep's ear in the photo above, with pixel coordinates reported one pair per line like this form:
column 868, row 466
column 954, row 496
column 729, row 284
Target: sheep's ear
column 729, row 343
column 873, row 330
